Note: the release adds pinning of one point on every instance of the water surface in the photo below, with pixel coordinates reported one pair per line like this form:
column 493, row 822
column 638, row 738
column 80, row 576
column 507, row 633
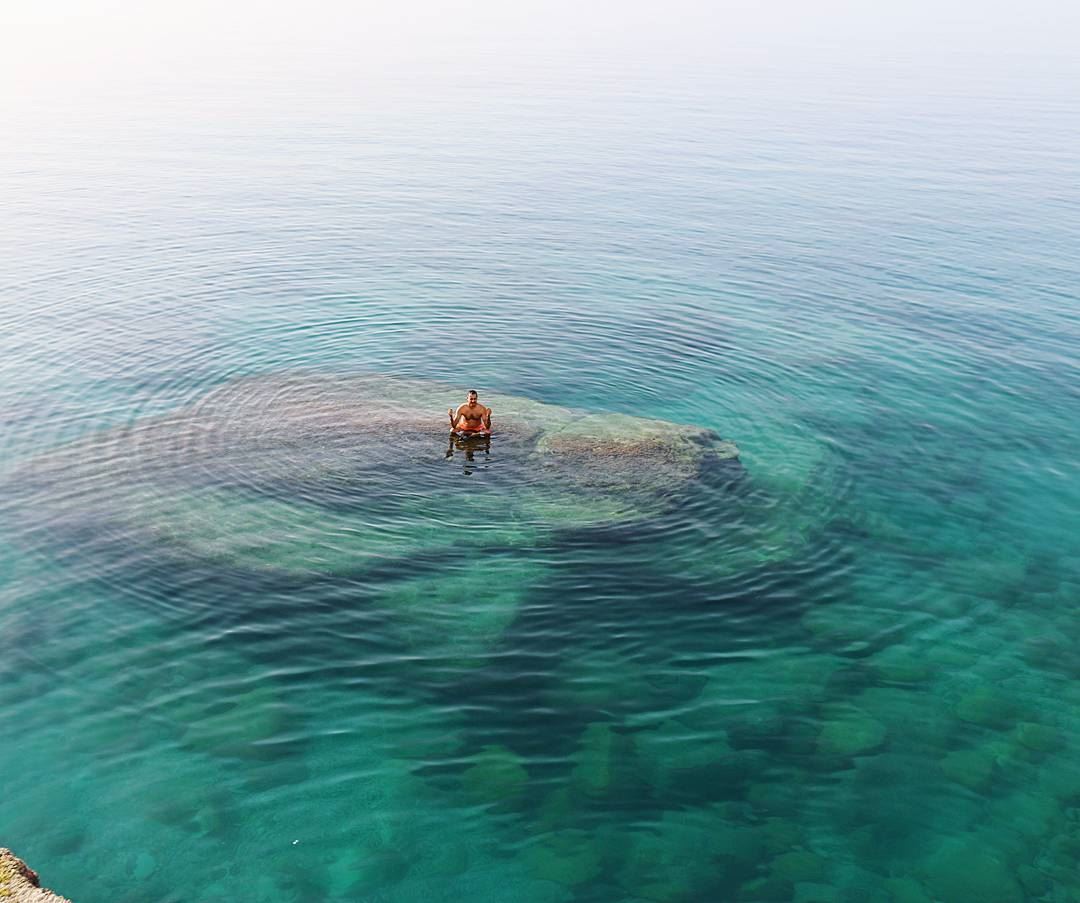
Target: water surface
column 851, row 676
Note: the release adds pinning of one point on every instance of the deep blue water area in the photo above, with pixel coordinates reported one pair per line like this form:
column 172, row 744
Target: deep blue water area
column 843, row 669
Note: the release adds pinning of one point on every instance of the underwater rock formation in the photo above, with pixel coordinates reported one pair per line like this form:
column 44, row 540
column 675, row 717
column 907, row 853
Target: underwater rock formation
column 304, row 475
column 567, row 858
column 20, row 884
column 964, row 869
column 680, row 857
column 849, row 731
column 271, row 482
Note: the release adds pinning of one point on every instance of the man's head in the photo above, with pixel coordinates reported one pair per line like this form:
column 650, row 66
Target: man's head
column 473, row 396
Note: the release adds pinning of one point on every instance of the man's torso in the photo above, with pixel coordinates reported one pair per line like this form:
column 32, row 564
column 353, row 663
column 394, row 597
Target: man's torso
column 473, row 413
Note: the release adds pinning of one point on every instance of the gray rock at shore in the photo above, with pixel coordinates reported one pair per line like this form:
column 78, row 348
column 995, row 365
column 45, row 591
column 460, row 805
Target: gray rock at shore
column 20, row 884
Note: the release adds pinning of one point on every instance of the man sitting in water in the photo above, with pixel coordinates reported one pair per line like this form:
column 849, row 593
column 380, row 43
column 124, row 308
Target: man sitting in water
column 471, row 418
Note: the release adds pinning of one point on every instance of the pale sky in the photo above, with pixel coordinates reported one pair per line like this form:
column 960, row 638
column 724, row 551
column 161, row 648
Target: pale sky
column 79, row 41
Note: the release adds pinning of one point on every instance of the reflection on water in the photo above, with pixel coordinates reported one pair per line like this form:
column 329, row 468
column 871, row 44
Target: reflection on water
column 469, row 447
column 256, row 650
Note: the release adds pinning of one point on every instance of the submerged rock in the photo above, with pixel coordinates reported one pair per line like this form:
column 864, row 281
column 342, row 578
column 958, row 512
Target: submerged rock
column 456, row 616
column 1039, row 737
column 905, row 890
column 973, row 768
column 308, row 475
column 607, row 765
column 496, row 779
column 987, row 708
column 692, row 764
column 617, row 683
column 569, row 858
column 965, row 870
column 251, row 725
column 681, row 857
column 918, row 723
column 598, row 759
column 849, row 731
column 766, row 890
column 798, row 866
column 899, row 665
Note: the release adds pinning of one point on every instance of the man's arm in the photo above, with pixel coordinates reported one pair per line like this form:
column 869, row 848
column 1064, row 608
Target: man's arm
column 455, row 416
column 487, row 418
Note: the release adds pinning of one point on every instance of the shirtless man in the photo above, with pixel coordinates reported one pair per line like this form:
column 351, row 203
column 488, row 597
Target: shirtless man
column 471, row 417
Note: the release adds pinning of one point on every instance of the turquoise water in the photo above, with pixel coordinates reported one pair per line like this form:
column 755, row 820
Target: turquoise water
column 850, row 675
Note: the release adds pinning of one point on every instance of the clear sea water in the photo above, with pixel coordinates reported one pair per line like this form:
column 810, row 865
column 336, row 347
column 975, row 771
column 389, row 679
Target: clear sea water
column 863, row 686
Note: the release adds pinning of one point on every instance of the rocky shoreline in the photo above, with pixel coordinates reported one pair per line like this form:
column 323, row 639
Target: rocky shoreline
column 20, row 884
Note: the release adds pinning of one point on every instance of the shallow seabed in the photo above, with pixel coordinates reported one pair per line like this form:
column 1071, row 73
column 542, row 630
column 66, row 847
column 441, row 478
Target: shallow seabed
column 850, row 675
